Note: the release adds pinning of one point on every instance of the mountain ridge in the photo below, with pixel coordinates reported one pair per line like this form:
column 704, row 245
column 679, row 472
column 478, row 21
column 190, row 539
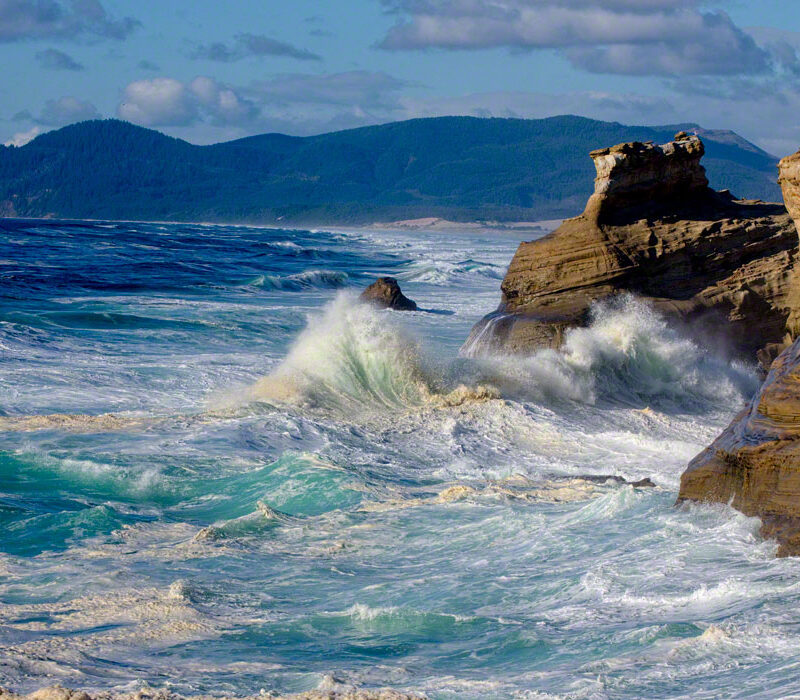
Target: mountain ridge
column 458, row 168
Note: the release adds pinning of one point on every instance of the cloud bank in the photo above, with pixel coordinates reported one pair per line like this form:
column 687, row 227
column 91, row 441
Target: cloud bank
column 294, row 102
column 55, row 19
column 53, row 59
column 631, row 37
column 247, row 45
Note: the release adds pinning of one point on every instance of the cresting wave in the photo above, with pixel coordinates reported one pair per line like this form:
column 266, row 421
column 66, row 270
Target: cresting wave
column 348, row 357
column 442, row 272
column 309, row 279
column 352, row 355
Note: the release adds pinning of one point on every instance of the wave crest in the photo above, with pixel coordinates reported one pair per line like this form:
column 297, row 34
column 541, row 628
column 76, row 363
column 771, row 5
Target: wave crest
column 350, row 356
column 308, row 279
column 627, row 354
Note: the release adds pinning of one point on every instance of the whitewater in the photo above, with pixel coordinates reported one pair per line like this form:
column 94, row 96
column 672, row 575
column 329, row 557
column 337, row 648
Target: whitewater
column 220, row 474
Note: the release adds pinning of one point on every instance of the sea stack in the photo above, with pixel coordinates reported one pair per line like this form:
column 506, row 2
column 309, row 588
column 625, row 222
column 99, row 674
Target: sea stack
column 385, row 292
column 755, row 463
column 653, row 227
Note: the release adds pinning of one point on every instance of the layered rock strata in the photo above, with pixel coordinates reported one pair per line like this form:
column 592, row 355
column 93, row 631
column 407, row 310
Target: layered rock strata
column 755, row 463
column 653, row 227
column 789, row 180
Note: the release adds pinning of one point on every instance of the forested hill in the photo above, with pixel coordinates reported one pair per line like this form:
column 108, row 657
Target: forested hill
column 460, row 168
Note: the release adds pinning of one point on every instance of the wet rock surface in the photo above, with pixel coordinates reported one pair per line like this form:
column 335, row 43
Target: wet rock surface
column 754, row 465
column 385, row 292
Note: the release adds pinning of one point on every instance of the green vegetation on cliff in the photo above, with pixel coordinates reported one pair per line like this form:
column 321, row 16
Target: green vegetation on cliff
column 458, row 168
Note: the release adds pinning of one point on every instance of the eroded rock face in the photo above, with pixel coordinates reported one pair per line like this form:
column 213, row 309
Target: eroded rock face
column 755, row 463
column 385, row 293
column 631, row 173
column 653, row 227
column 789, row 179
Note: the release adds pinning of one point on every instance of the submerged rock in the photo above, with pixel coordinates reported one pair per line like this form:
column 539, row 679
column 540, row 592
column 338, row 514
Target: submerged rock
column 645, row 483
column 385, row 292
column 754, row 465
column 653, row 227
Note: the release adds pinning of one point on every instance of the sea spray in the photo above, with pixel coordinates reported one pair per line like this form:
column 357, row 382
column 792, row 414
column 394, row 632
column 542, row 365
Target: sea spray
column 350, row 356
column 353, row 357
column 627, row 354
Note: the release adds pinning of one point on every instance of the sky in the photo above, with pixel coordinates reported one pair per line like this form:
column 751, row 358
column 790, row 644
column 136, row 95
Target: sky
column 209, row 71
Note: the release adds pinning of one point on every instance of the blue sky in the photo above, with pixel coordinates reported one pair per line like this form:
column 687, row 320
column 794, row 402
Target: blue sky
column 209, row 71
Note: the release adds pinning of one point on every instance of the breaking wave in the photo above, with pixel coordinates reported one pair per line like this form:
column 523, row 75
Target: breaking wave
column 309, row 279
column 627, row 354
column 354, row 356
column 441, row 272
column 351, row 355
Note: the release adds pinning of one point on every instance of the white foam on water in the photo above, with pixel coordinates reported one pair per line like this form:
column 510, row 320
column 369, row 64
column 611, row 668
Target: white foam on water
column 433, row 503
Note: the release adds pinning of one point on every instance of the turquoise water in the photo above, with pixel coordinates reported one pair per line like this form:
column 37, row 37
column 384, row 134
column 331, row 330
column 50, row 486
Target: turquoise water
column 220, row 474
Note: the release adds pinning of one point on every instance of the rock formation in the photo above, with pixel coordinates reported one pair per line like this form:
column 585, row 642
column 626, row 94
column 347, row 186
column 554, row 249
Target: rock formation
column 789, row 180
column 755, row 463
column 385, row 292
column 653, row 227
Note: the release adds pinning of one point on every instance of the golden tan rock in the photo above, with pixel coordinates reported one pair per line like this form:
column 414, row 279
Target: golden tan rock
column 653, row 227
column 789, row 180
column 755, row 463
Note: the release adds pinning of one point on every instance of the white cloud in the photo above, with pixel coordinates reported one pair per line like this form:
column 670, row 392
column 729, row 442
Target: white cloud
column 298, row 103
column 221, row 103
column 158, row 102
column 23, row 137
column 170, row 102
column 647, row 37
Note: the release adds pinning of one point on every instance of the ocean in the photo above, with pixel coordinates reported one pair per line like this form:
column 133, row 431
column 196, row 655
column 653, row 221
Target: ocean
column 221, row 474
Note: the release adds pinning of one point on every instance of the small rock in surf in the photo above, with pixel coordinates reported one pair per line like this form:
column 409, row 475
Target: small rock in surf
column 385, row 293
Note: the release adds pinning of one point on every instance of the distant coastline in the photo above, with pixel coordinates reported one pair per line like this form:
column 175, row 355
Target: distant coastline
column 421, row 225
column 459, row 169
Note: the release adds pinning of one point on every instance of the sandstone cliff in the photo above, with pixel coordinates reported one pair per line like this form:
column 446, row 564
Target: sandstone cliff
column 653, row 227
column 789, row 180
column 755, row 463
